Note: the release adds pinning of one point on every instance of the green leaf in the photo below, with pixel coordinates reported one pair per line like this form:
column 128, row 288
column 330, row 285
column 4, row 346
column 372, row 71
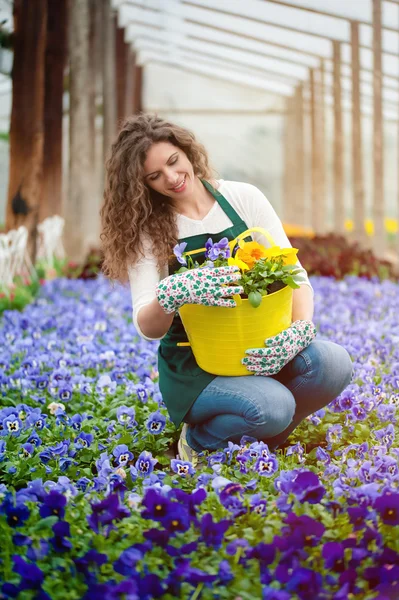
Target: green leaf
column 290, row 281
column 45, row 523
column 255, row 298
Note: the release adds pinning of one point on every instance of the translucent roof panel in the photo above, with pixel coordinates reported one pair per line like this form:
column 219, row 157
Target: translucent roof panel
column 360, row 10
column 356, row 10
column 221, row 73
column 305, row 21
column 268, row 43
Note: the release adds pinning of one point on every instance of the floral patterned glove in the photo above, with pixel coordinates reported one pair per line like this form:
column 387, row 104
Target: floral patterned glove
column 199, row 286
column 280, row 349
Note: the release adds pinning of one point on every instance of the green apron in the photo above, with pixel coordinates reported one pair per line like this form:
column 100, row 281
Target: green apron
column 181, row 380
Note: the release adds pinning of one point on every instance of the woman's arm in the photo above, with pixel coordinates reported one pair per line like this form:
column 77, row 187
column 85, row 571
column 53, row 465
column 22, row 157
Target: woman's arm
column 149, row 319
column 153, row 320
column 302, row 304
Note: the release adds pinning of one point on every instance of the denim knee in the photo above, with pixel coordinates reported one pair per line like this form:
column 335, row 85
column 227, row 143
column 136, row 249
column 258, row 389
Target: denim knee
column 330, row 363
column 274, row 414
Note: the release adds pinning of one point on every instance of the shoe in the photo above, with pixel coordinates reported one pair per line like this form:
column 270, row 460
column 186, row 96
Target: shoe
column 185, row 451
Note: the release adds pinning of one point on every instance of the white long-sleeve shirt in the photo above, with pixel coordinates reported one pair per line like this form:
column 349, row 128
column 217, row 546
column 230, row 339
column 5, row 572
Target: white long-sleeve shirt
column 249, row 203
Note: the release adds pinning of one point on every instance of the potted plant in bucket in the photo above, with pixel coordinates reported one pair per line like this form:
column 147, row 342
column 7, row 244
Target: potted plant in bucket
column 219, row 336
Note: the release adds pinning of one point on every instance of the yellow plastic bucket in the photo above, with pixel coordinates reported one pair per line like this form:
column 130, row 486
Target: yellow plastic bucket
column 219, row 336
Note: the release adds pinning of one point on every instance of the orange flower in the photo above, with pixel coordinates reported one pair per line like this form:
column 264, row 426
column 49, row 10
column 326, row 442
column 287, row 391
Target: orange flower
column 250, row 252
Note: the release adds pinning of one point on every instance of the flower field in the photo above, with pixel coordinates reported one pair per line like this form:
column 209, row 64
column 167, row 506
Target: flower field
column 94, row 504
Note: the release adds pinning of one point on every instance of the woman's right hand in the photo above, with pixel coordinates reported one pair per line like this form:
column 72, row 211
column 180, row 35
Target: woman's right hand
column 199, row 286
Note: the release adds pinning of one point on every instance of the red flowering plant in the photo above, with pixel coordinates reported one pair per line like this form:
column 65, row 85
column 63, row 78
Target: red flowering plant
column 18, row 294
column 334, row 256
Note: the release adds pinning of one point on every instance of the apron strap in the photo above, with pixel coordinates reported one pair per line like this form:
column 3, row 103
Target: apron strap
column 225, row 205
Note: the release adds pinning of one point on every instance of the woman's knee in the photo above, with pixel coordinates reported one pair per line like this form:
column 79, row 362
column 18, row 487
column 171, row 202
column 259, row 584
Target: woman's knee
column 272, row 412
column 330, row 363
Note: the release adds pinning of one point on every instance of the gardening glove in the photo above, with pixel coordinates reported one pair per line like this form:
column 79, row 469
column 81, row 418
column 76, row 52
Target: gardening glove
column 199, row 286
column 280, row 349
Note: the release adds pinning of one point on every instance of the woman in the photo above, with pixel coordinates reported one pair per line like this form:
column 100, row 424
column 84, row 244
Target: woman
column 160, row 192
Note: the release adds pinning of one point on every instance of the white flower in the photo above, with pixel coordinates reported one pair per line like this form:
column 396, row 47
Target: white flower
column 54, row 406
column 134, row 500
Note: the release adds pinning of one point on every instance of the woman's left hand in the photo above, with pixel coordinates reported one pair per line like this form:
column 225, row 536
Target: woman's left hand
column 280, row 349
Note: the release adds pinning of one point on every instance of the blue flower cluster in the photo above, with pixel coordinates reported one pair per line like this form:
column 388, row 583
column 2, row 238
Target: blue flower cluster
column 95, row 504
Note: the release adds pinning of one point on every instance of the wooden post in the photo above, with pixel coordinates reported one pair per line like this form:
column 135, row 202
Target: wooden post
column 95, row 62
column 299, row 143
column 289, row 164
column 138, row 89
column 321, row 118
column 315, row 154
column 109, row 78
column 338, row 157
column 378, row 138
column 96, row 100
column 130, row 70
column 308, row 155
column 55, row 58
column 359, row 215
column 27, row 128
column 122, row 66
column 80, row 174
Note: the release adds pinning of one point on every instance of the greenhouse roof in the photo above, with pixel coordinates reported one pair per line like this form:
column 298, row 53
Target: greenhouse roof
column 266, row 44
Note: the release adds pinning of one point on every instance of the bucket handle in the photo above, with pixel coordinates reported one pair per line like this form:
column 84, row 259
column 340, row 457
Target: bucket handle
column 244, row 234
column 240, row 237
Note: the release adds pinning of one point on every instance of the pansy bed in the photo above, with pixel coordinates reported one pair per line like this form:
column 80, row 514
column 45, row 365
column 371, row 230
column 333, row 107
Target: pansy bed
column 93, row 504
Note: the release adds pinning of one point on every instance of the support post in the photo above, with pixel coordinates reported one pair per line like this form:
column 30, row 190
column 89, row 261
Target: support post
column 315, row 154
column 27, row 126
column 80, row 175
column 109, row 78
column 55, row 58
column 122, row 68
column 359, row 233
column 289, row 164
column 321, row 118
column 378, row 137
column 338, row 157
column 138, row 89
column 299, row 143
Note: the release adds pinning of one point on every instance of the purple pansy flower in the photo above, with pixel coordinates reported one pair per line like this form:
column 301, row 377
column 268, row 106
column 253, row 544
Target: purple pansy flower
column 178, row 252
column 266, row 466
column 182, row 467
column 156, row 422
column 218, row 249
column 122, row 454
column 145, row 463
column 126, row 415
column 387, row 506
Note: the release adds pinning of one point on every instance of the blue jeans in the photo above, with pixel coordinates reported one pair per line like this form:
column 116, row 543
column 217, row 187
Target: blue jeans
column 268, row 408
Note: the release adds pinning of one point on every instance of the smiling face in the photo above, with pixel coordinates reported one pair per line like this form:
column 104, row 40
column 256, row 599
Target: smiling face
column 168, row 171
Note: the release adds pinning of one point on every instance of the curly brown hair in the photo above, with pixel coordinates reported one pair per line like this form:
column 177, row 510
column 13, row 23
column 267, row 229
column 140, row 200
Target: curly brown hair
column 130, row 208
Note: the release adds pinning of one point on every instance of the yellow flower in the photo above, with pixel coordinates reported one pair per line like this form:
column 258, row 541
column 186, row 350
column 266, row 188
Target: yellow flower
column 250, row 252
column 290, row 255
column 236, row 262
